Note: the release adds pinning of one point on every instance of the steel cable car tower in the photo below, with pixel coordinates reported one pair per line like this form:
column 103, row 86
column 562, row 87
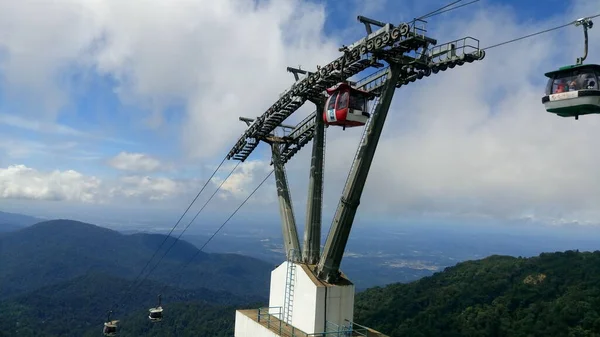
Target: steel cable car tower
column 309, row 295
column 410, row 57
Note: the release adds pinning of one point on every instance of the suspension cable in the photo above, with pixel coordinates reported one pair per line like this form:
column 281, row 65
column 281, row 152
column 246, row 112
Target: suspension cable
column 171, row 231
column 219, row 229
column 445, row 9
column 440, row 11
column 538, row 33
column 185, row 229
column 437, row 10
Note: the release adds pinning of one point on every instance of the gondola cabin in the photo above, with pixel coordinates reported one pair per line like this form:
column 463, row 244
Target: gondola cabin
column 156, row 314
column 110, row 328
column 346, row 107
column 573, row 91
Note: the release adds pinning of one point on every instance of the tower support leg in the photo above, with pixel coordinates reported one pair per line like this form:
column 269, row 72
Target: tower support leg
column 288, row 222
column 329, row 263
column 312, row 229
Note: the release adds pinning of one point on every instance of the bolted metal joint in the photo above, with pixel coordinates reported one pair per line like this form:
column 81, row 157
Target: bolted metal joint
column 348, row 203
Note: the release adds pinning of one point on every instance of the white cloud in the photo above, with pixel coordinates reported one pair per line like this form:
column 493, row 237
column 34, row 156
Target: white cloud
column 18, row 148
column 44, row 126
column 127, row 161
column 21, row 182
column 219, row 59
column 145, row 187
column 38, row 126
column 244, row 179
column 472, row 140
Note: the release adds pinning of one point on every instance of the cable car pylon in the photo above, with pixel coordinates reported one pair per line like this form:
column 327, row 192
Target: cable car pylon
column 326, row 294
column 388, row 44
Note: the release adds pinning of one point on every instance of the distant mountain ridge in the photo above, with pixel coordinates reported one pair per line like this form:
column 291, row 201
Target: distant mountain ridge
column 12, row 221
column 56, row 251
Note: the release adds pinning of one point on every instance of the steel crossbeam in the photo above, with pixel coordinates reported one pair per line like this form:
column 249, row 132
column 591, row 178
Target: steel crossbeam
column 390, row 44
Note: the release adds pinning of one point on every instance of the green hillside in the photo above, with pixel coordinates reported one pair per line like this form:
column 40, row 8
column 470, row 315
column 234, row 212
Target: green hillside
column 79, row 306
column 554, row 294
column 60, row 277
column 190, row 319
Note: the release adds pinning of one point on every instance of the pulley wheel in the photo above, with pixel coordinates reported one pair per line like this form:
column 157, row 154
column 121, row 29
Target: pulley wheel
column 404, row 29
column 385, row 38
column 378, row 42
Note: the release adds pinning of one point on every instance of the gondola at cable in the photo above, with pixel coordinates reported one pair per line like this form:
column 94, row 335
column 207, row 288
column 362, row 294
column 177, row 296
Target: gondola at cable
column 346, row 106
column 110, row 327
column 573, row 90
column 156, row 313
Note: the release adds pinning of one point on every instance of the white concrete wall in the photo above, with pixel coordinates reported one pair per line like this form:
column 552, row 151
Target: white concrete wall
column 305, row 302
column 309, row 305
column 340, row 304
column 247, row 327
column 277, row 289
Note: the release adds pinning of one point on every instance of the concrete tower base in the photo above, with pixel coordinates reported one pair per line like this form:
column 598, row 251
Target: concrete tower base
column 312, row 303
column 301, row 305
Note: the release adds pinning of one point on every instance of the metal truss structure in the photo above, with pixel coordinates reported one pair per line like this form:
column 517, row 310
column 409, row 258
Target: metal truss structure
column 403, row 54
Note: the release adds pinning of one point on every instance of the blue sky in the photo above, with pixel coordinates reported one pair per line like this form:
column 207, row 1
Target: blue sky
column 102, row 114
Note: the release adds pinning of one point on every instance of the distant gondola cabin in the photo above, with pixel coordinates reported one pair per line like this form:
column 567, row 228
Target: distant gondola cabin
column 346, row 106
column 573, row 91
column 156, row 314
column 110, row 328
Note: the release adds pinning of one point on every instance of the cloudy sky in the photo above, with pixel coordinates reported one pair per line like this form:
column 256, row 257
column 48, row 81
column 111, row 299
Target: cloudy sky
column 122, row 109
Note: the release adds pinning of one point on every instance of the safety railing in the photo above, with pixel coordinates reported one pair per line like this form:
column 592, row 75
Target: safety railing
column 373, row 81
column 453, row 49
column 305, row 124
column 271, row 318
column 418, row 27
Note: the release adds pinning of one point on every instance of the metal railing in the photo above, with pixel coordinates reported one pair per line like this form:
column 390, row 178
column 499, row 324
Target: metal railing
column 418, row 27
column 271, row 317
column 453, row 50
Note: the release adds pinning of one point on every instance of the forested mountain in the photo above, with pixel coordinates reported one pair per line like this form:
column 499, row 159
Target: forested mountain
column 56, row 251
column 60, row 277
column 79, row 306
column 554, row 294
column 190, row 319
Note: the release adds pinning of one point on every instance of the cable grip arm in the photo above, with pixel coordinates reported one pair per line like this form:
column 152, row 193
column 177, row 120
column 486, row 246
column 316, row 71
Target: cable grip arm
column 587, row 24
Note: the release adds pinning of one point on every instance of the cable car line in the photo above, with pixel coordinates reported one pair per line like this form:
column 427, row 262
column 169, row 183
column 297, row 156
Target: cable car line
column 181, row 234
column 180, row 218
column 538, row 33
column 442, row 10
column 131, row 287
column 156, row 312
column 432, row 13
column 221, row 227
